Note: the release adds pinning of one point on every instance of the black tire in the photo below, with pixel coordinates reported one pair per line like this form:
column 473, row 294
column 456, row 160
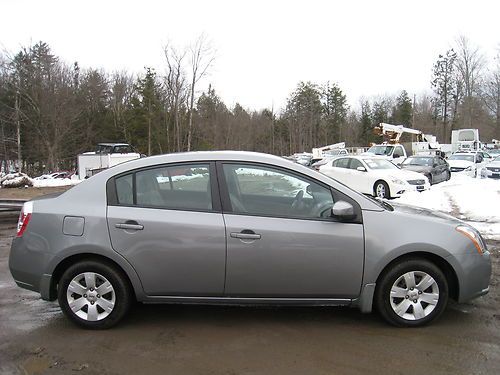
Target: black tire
column 122, row 293
column 448, row 175
column 387, row 194
column 385, row 283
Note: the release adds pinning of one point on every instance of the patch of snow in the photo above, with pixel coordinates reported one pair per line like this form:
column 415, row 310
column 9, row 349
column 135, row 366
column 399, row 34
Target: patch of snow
column 14, row 180
column 53, row 182
column 474, row 200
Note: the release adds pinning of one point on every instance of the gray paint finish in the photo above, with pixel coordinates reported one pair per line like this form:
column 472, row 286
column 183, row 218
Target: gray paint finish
column 188, row 256
column 301, row 258
column 73, row 225
column 177, row 252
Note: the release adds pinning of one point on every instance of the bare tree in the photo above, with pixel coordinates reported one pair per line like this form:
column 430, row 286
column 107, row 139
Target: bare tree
column 470, row 63
column 202, row 56
column 120, row 95
column 491, row 93
column 176, row 86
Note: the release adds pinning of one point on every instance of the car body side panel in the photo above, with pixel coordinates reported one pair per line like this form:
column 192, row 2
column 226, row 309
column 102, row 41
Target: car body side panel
column 294, row 258
column 384, row 245
column 44, row 245
column 177, row 253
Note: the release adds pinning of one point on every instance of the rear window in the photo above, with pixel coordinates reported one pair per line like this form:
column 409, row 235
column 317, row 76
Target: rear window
column 174, row 187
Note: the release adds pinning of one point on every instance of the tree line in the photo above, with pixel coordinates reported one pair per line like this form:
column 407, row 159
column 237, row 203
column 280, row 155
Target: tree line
column 50, row 110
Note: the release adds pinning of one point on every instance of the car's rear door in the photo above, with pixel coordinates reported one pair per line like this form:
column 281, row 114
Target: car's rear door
column 339, row 170
column 293, row 250
column 167, row 222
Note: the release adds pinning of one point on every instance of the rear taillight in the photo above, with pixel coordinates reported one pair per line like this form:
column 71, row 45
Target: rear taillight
column 24, row 218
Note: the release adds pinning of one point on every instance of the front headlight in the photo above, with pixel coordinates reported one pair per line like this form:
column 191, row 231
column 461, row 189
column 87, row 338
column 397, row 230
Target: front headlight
column 474, row 236
column 397, row 181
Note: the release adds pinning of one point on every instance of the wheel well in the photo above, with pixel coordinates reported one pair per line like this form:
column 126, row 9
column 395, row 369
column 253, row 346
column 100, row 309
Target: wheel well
column 69, row 261
column 443, row 265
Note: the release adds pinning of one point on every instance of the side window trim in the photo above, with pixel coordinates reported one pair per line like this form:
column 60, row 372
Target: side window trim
column 112, row 196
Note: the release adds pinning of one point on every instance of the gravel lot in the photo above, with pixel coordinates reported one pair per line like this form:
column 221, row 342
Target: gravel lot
column 36, row 339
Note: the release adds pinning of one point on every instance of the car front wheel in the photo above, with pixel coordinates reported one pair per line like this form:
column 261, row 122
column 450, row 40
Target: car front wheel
column 94, row 295
column 412, row 293
column 381, row 190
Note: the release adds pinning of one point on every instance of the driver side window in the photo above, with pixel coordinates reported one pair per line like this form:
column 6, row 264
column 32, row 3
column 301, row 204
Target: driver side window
column 398, row 152
column 264, row 191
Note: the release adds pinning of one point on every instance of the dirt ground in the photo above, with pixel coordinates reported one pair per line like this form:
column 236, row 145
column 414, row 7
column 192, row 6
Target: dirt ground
column 35, row 338
column 30, row 192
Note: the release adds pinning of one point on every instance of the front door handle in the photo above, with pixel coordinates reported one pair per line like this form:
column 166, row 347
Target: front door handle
column 130, row 225
column 246, row 235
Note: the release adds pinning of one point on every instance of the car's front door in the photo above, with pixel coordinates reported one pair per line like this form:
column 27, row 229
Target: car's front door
column 166, row 221
column 440, row 169
column 281, row 239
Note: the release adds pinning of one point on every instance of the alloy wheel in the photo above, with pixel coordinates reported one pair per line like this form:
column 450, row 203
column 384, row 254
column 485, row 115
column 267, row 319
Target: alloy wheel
column 414, row 295
column 91, row 296
column 380, row 190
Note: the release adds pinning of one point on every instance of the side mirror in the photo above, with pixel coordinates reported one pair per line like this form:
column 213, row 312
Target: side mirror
column 361, row 169
column 343, row 210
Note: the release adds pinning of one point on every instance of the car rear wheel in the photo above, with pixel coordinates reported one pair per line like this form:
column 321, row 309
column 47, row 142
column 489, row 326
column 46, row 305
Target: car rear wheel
column 381, row 190
column 94, row 295
column 412, row 293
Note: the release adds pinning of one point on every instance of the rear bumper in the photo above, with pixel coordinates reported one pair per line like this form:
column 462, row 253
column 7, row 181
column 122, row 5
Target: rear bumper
column 26, row 267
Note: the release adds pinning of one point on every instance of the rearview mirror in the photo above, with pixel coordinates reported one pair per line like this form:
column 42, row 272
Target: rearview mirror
column 343, row 210
column 361, row 169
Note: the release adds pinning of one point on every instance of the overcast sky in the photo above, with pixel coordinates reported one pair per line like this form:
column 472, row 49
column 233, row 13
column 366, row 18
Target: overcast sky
column 264, row 48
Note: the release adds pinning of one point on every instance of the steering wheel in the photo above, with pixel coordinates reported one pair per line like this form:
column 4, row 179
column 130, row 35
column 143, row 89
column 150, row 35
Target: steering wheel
column 298, row 201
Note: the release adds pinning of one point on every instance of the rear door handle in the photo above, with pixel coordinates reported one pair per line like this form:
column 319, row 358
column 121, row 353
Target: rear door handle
column 129, row 224
column 246, row 235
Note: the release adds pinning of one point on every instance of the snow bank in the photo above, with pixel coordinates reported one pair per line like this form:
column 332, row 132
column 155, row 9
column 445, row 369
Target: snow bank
column 474, row 200
column 14, row 180
column 53, row 182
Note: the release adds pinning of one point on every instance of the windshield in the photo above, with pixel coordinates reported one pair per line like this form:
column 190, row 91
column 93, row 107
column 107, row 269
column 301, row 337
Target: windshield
column 379, row 164
column 104, row 149
column 381, row 150
column 419, row 161
column 462, row 157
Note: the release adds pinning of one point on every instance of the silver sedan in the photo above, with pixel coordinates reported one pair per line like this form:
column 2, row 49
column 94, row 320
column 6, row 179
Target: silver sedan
column 240, row 228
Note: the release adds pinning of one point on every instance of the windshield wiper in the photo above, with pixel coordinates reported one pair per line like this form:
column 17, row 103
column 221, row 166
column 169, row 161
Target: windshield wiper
column 384, row 204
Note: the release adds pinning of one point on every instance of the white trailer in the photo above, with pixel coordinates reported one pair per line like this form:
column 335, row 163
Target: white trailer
column 465, row 140
column 106, row 156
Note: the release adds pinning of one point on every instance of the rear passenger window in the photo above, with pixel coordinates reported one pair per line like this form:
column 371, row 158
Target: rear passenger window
column 176, row 187
column 341, row 163
column 124, row 190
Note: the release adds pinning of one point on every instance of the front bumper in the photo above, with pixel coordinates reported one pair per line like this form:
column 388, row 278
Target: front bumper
column 473, row 275
column 490, row 173
column 399, row 189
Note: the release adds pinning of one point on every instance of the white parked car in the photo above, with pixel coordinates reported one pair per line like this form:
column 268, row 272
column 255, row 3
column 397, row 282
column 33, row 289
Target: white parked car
column 374, row 176
column 492, row 170
column 468, row 162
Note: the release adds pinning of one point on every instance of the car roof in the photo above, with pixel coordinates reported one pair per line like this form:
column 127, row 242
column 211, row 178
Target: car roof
column 113, row 144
